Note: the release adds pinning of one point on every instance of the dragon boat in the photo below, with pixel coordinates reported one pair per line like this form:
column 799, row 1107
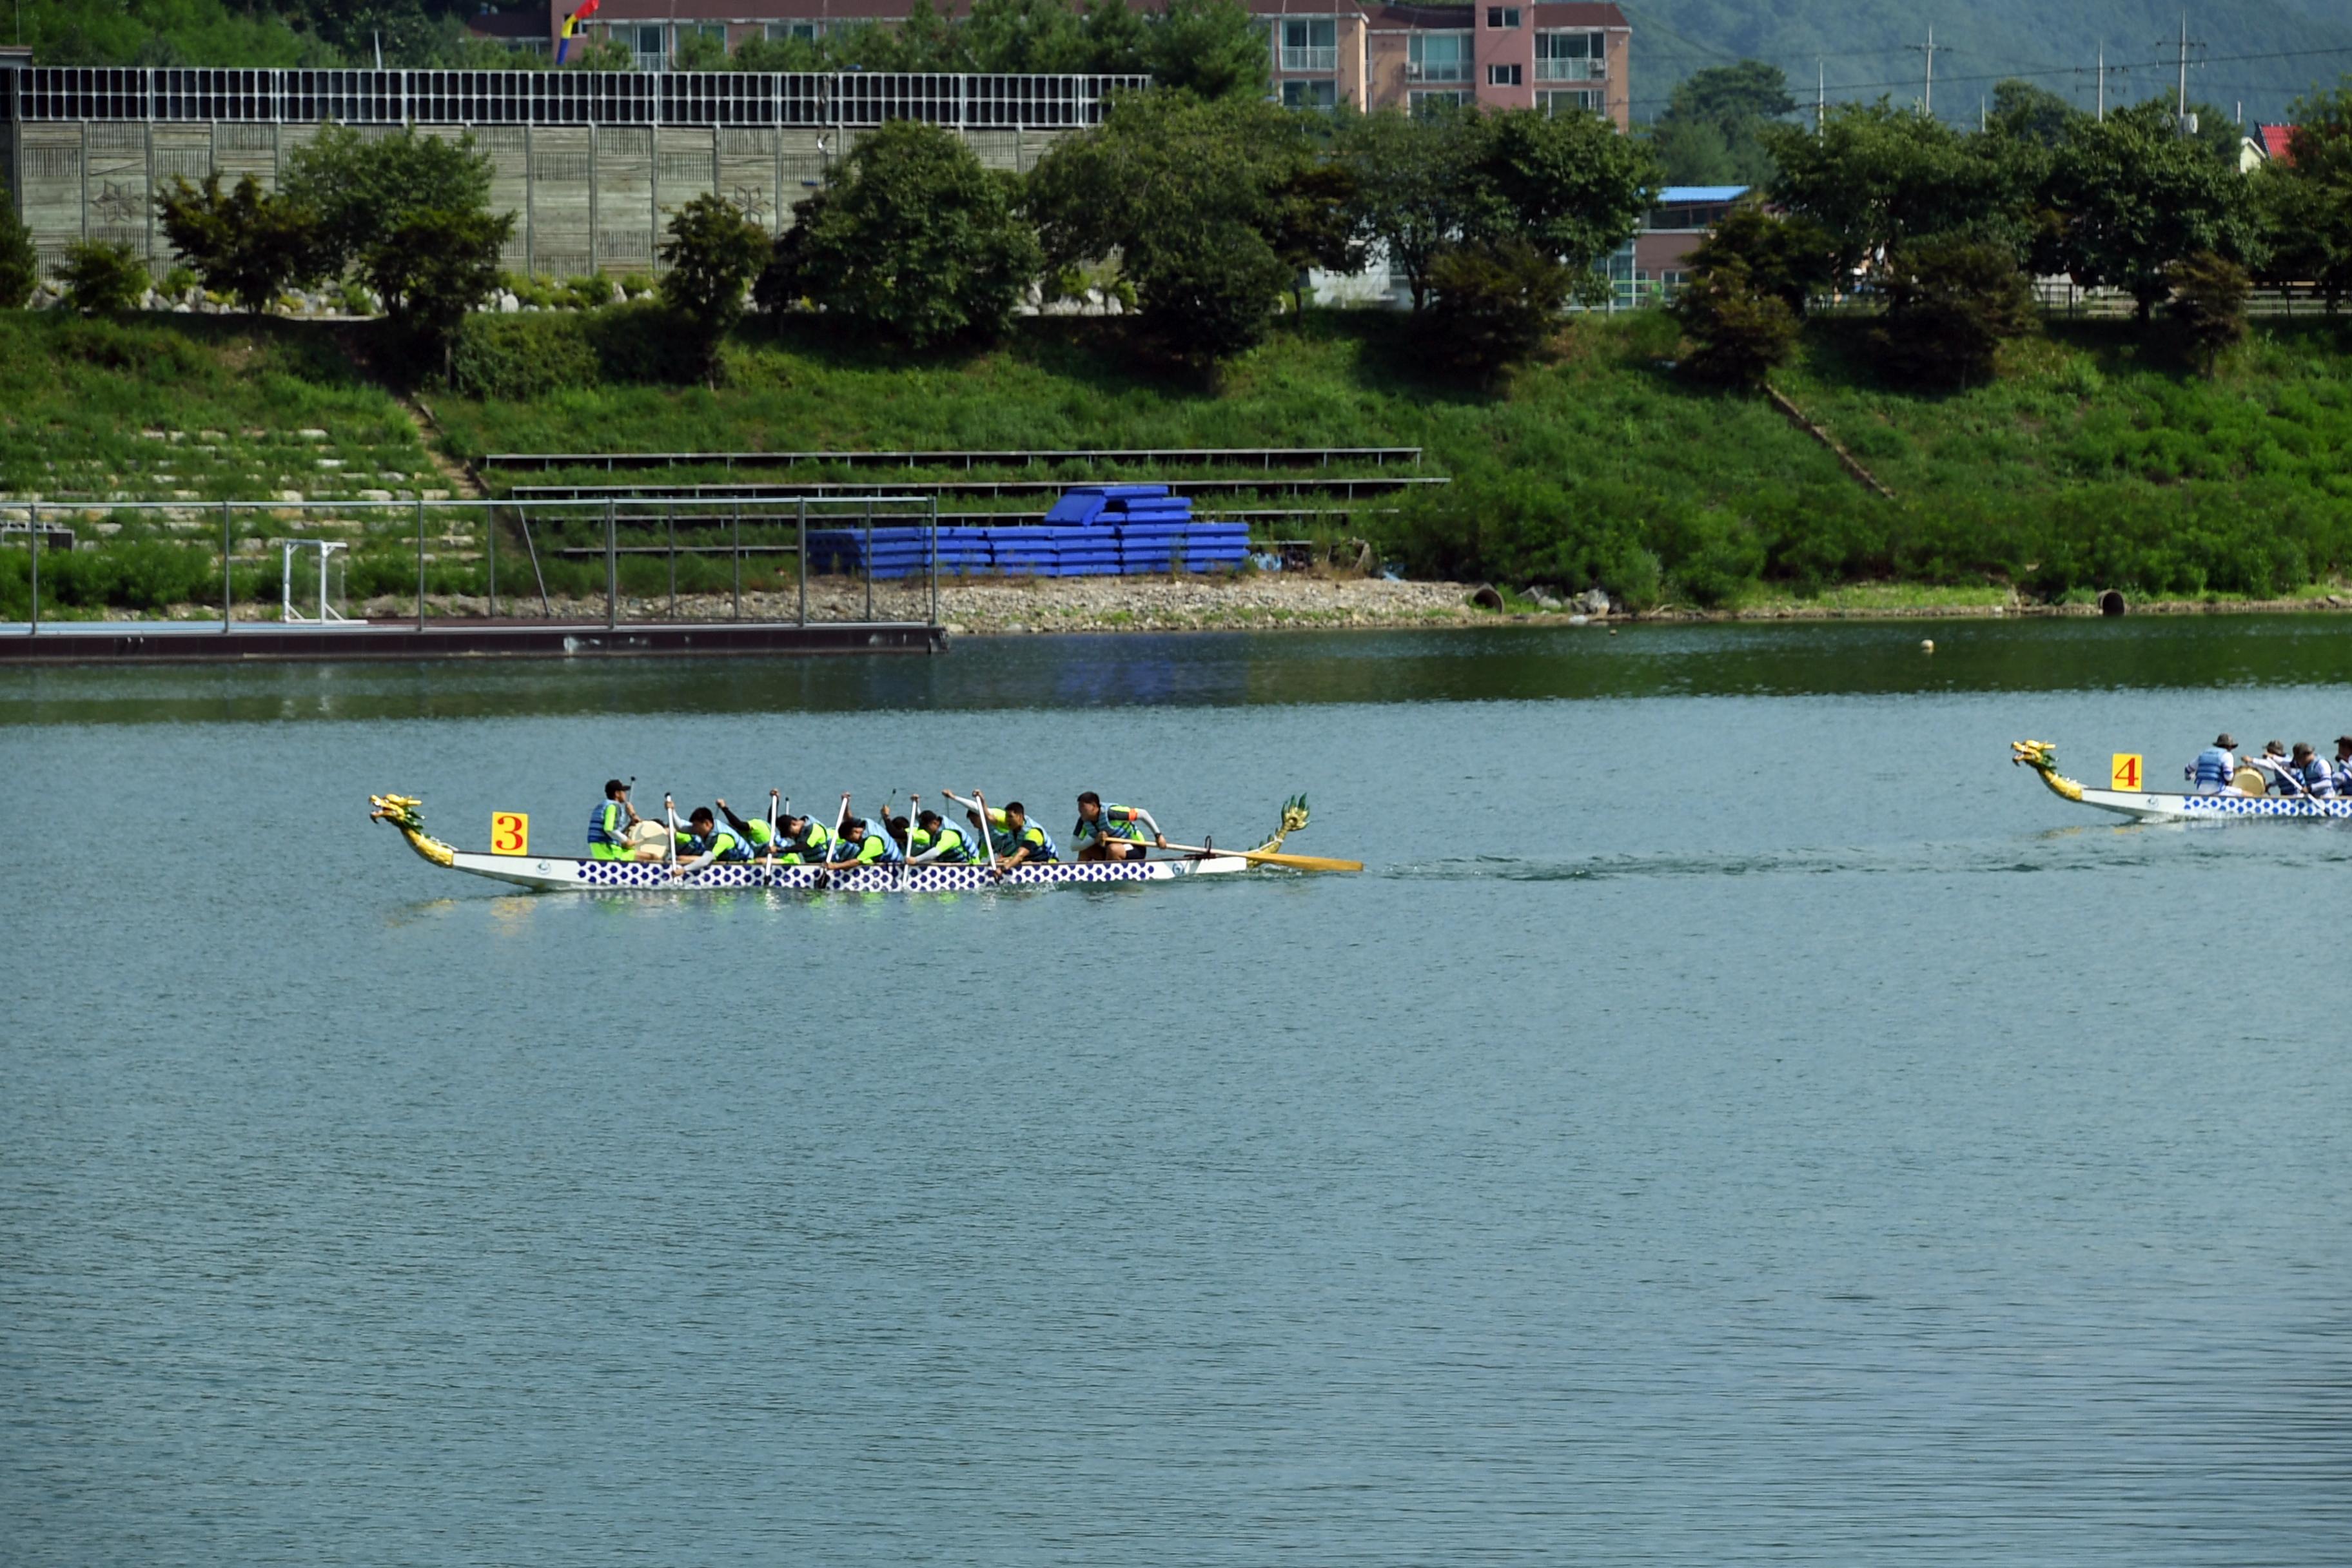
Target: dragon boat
column 2154, row 806
column 555, row 874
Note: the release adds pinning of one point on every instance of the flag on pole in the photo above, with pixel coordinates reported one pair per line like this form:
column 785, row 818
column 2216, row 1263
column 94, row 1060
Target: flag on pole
column 571, row 26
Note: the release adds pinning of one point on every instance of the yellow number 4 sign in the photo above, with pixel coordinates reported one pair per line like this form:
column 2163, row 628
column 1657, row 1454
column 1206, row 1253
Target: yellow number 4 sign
column 2125, row 773
column 509, row 832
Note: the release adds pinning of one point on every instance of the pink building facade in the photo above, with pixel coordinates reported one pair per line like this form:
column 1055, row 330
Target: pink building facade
column 1553, row 57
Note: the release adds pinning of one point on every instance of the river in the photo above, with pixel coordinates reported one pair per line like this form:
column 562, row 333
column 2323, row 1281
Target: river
column 1735, row 1117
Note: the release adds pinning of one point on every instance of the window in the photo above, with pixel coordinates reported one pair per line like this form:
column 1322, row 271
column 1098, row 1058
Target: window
column 1503, row 16
column 1437, row 56
column 1569, row 57
column 1425, row 102
column 1502, row 75
column 1310, row 95
column 1309, row 44
column 647, row 45
column 807, row 32
column 1558, row 102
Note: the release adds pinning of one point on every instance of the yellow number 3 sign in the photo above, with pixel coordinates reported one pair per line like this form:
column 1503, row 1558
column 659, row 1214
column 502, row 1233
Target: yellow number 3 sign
column 509, row 832
column 2125, row 773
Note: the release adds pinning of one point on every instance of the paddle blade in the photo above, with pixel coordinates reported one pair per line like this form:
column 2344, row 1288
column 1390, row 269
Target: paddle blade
column 1297, row 862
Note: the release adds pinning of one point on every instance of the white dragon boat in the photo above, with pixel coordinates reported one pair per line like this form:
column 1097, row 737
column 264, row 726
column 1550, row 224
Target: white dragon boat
column 2155, row 806
column 556, row 874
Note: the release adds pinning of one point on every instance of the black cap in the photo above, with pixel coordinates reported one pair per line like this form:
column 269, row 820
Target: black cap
column 613, row 787
column 2226, row 739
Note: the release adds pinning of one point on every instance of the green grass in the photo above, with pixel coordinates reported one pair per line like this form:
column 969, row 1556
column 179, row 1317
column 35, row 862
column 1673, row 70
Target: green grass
column 2097, row 460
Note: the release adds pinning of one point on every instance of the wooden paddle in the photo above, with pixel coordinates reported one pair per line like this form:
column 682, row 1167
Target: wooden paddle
column 1274, row 858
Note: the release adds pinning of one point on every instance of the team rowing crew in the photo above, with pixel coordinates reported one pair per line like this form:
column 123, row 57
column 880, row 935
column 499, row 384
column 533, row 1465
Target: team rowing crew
column 1104, row 832
column 2218, row 770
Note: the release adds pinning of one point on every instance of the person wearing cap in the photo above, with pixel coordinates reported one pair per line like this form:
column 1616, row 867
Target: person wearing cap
column 609, row 823
column 2339, row 772
column 2272, row 765
column 2211, row 773
column 710, row 842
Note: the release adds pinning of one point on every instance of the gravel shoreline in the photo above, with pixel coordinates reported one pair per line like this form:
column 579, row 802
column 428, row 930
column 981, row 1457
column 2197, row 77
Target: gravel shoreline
column 1269, row 602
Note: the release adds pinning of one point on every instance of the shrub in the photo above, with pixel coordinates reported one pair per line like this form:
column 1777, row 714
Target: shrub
column 179, row 281
column 1739, row 334
column 1495, row 303
column 2209, row 300
column 713, row 252
column 364, row 189
column 103, row 280
column 520, row 357
column 1950, row 304
column 431, row 270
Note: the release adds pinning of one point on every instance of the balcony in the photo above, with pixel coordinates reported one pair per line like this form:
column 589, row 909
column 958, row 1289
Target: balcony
column 1311, row 58
column 1569, row 70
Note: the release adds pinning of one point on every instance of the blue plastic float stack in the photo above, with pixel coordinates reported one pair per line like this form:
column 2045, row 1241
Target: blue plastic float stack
column 1093, row 531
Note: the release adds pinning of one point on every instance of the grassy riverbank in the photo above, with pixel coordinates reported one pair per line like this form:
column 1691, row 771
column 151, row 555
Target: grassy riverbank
column 2099, row 459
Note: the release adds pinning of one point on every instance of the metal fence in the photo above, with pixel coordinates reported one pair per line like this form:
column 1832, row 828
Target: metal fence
column 73, row 93
column 606, row 562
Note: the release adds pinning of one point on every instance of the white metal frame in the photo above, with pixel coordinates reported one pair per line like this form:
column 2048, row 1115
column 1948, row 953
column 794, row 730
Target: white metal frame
column 327, row 614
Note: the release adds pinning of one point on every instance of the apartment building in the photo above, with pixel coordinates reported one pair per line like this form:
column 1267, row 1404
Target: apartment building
column 1322, row 53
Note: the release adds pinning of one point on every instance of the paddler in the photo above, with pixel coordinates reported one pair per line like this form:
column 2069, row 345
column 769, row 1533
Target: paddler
column 802, row 840
column 1113, row 832
column 609, row 823
column 1013, row 838
column 708, row 842
column 933, row 840
column 863, row 844
column 758, row 835
column 2317, row 779
column 2339, row 775
column 2212, row 771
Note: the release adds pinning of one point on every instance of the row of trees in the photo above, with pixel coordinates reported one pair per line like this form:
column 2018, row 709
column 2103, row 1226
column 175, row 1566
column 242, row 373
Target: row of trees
column 1945, row 226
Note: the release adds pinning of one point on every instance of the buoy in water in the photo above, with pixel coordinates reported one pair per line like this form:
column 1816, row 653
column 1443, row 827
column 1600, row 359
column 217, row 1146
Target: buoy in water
column 1927, row 645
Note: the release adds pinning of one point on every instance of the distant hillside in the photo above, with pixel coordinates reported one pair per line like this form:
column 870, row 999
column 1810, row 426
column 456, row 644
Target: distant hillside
column 1864, row 47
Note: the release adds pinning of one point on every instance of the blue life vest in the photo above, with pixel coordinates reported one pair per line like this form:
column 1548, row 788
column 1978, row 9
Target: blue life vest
column 2213, row 767
column 1041, row 844
column 607, row 826
column 877, row 849
column 730, row 845
column 2316, row 779
column 955, row 848
column 1116, row 822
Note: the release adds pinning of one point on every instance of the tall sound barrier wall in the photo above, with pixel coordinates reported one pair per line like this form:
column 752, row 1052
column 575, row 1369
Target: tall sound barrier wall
column 592, row 163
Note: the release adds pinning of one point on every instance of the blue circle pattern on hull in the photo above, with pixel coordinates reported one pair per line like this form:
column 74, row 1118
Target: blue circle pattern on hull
column 654, row 877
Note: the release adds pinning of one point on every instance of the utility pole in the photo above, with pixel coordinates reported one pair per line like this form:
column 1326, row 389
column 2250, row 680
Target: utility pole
column 1821, row 98
column 2180, row 102
column 1928, row 101
column 2102, row 81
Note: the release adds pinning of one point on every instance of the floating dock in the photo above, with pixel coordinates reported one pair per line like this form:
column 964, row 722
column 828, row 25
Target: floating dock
column 204, row 642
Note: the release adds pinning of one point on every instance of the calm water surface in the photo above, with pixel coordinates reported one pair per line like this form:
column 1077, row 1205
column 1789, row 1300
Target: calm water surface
column 1735, row 1118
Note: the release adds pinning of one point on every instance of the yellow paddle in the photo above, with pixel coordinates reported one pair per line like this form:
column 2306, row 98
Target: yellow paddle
column 1274, row 858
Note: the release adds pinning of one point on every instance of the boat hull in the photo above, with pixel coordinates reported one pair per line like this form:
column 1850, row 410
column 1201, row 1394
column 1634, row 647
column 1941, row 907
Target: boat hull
column 2214, row 807
column 553, row 875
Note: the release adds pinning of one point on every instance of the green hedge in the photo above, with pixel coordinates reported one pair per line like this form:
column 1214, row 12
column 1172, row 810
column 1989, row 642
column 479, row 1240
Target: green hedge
column 518, row 358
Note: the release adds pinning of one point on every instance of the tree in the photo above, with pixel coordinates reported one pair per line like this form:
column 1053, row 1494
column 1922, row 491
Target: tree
column 2025, row 113
column 246, row 245
column 431, row 270
column 1418, row 189
column 362, row 189
column 1211, row 49
column 1950, row 304
column 1739, row 332
column 20, row 264
column 914, row 240
column 1496, row 301
column 1183, row 192
column 2303, row 202
column 606, row 54
column 1115, row 37
column 1876, row 176
column 789, row 54
column 1568, row 184
column 2209, row 300
column 1027, row 35
column 1708, row 134
column 712, row 251
column 1310, row 224
column 103, row 280
column 700, row 52
column 2132, row 197
column 1789, row 258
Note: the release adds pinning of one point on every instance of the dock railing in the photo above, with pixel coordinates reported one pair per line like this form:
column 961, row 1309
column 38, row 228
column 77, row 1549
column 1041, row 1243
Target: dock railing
column 607, row 562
